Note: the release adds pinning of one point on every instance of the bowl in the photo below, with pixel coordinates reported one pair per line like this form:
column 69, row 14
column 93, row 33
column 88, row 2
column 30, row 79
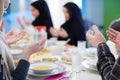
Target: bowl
column 43, row 67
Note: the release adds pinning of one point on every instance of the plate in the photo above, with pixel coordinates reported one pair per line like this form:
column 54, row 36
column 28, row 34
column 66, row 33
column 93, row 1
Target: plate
column 43, row 67
column 90, row 64
column 15, row 52
column 57, row 70
column 91, row 52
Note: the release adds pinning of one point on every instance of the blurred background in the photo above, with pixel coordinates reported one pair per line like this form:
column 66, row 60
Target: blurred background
column 99, row 12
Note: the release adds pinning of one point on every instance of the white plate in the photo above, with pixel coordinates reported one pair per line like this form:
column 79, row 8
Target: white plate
column 16, row 51
column 42, row 64
column 55, row 71
column 92, row 52
column 90, row 64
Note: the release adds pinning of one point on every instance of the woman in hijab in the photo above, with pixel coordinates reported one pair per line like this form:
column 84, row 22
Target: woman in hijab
column 42, row 15
column 7, row 68
column 73, row 28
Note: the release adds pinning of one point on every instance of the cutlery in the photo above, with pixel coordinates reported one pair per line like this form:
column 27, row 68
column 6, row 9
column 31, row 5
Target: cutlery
column 67, row 41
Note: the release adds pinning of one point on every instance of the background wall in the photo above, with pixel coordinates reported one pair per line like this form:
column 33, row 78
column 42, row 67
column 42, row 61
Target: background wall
column 111, row 12
column 56, row 9
column 93, row 11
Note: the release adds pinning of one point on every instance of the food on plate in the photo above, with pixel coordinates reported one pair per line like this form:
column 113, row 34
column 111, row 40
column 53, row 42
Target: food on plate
column 45, row 50
column 39, row 55
column 40, row 68
column 66, row 59
column 68, row 47
column 16, row 62
column 49, row 59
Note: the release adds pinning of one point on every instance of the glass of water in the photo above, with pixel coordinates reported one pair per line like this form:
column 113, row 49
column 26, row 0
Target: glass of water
column 82, row 47
column 76, row 60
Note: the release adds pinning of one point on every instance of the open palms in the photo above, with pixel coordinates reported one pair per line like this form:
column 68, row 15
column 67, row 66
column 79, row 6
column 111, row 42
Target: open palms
column 12, row 38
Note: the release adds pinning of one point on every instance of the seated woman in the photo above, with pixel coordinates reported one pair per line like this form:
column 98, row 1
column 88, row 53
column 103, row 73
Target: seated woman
column 41, row 13
column 73, row 28
column 108, row 66
column 7, row 68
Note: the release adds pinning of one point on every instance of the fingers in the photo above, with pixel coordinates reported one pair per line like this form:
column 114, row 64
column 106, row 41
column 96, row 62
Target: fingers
column 95, row 29
column 2, row 24
column 112, row 34
column 19, row 21
column 89, row 33
column 114, row 31
column 20, row 35
column 42, row 41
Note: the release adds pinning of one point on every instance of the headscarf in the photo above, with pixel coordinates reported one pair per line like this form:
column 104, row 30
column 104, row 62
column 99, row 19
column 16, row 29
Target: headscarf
column 6, row 58
column 44, row 19
column 1, row 8
column 74, row 26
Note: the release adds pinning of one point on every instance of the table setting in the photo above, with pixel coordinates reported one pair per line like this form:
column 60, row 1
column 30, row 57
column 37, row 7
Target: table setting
column 60, row 61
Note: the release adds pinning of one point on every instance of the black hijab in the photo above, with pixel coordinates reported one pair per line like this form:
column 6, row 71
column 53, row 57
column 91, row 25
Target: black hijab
column 44, row 19
column 75, row 26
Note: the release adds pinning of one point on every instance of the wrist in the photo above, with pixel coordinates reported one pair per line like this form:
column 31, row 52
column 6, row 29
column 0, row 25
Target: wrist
column 26, row 55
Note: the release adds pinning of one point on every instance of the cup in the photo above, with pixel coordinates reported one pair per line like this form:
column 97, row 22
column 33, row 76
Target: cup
column 76, row 60
column 82, row 47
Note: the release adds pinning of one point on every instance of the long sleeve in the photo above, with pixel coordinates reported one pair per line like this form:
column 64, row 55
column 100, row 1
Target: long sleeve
column 21, row 71
column 107, row 66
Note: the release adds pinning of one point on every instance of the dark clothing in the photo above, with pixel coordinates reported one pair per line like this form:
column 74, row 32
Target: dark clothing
column 44, row 19
column 74, row 26
column 76, row 33
column 108, row 67
column 20, row 72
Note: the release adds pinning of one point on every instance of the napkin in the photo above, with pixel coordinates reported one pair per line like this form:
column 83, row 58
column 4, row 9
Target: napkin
column 55, row 77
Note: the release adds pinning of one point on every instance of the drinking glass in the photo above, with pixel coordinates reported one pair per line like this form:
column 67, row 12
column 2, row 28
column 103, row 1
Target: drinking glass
column 76, row 60
column 82, row 47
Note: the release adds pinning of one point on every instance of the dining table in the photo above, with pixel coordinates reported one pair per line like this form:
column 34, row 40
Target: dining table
column 84, row 74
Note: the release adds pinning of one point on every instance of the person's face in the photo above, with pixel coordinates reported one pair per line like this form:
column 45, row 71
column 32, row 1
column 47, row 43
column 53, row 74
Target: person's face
column 66, row 13
column 34, row 11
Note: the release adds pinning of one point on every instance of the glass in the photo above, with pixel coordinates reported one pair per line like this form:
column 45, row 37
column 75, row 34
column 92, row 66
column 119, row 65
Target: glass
column 37, row 36
column 82, row 47
column 76, row 60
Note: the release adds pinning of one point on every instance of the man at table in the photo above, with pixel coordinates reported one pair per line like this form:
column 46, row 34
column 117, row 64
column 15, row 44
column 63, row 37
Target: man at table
column 108, row 67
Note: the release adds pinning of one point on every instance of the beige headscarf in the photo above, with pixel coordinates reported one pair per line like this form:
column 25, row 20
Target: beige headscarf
column 1, row 8
column 7, row 60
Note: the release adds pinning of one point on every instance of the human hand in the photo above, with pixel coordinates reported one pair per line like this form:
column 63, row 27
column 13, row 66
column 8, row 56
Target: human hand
column 2, row 24
column 26, row 21
column 95, row 37
column 63, row 33
column 54, row 32
column 12, row 38
column 114, row 36
column 38, row 46
column 20, row 23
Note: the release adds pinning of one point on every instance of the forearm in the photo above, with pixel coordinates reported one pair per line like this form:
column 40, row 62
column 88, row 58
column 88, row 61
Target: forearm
column 21, row 71
column 107, row 67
